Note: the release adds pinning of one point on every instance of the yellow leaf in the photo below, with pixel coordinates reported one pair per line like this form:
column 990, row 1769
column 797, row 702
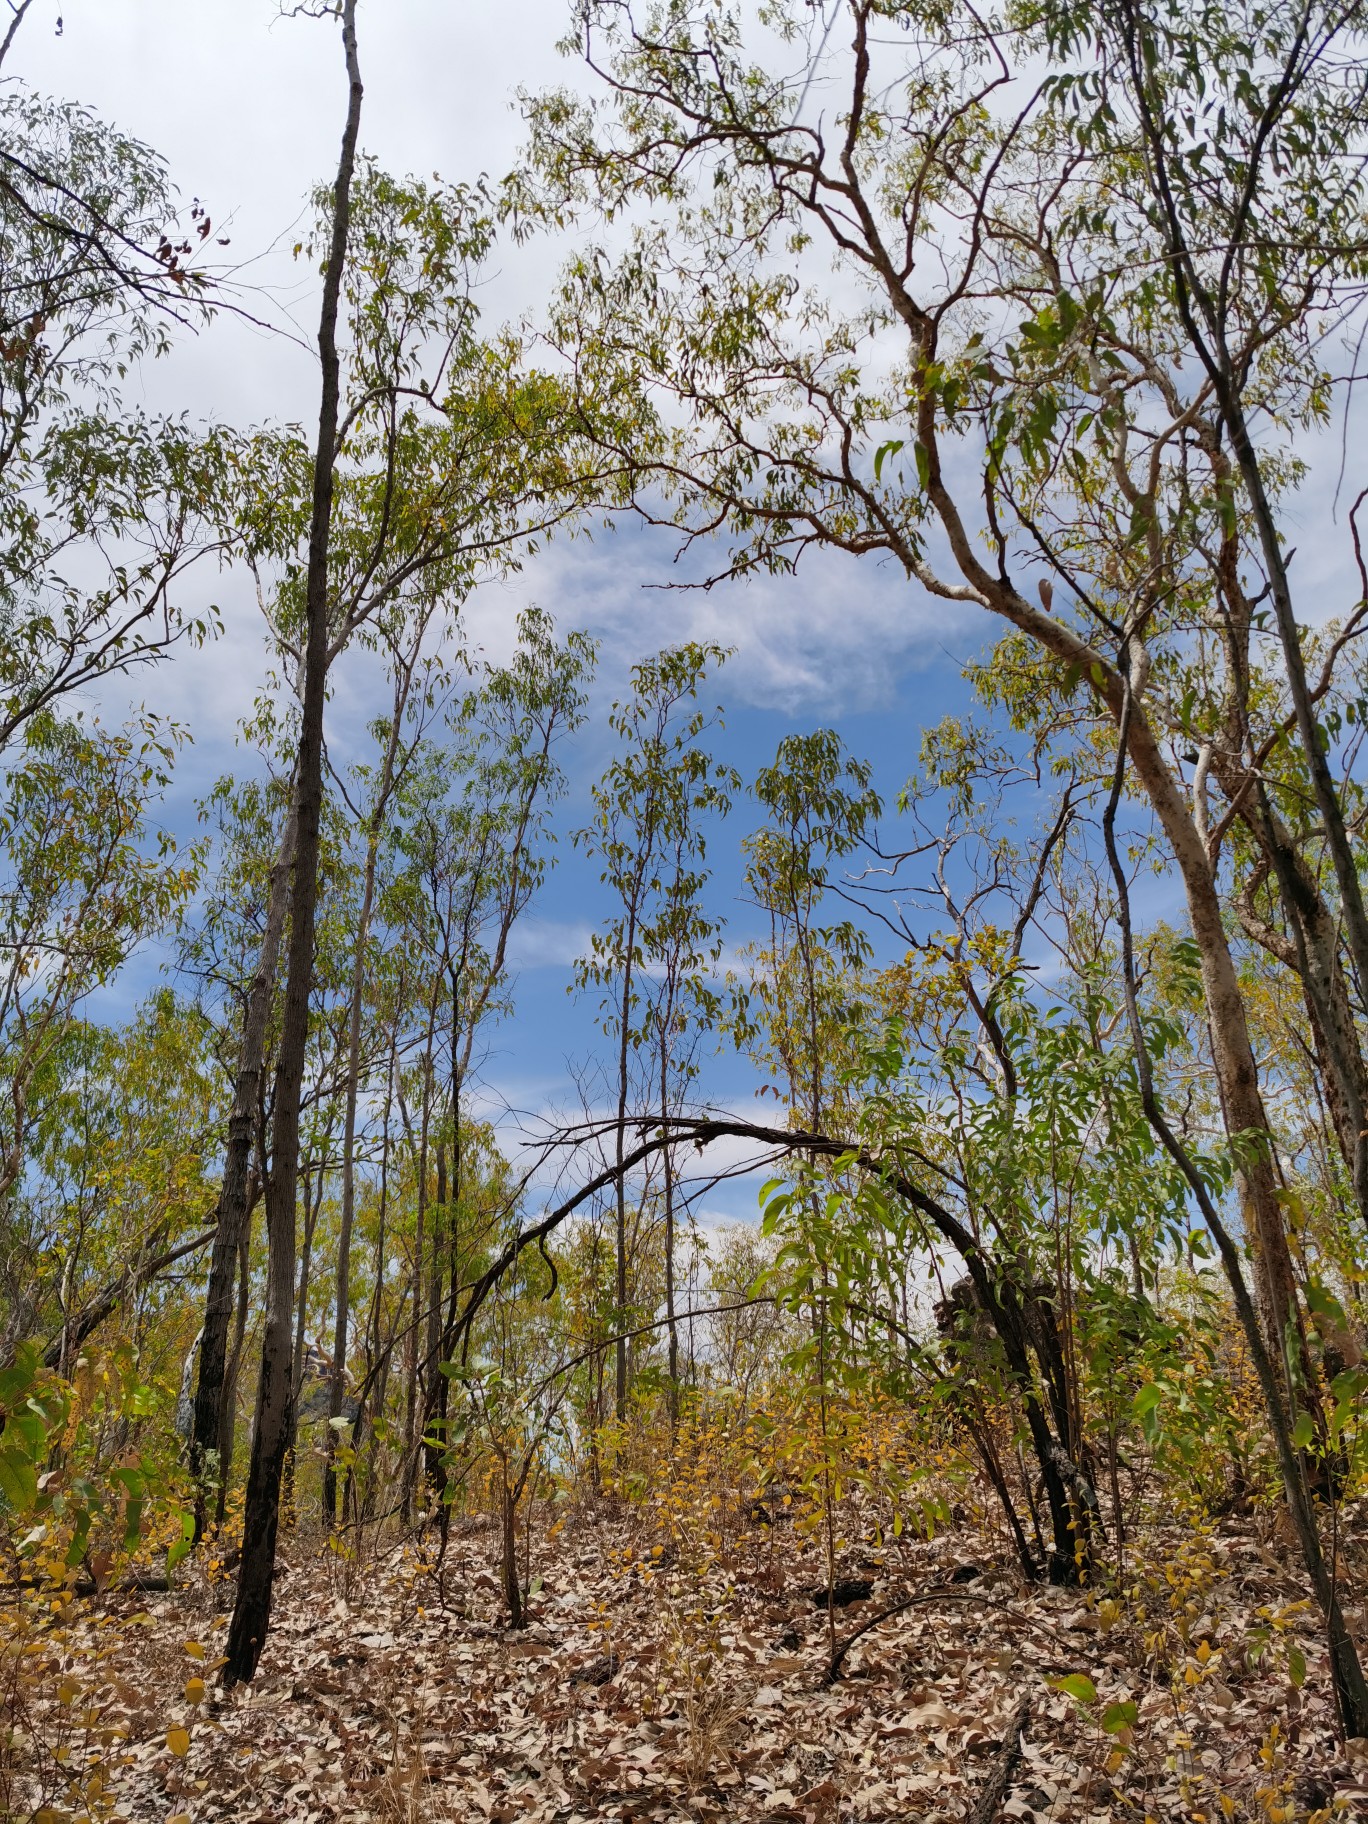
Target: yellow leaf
column 68, row 1690
column 178, row 1741
column 194, row 1691
column 194, row 1649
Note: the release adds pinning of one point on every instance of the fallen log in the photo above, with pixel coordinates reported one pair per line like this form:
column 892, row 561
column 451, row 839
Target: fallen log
column 994, row 1794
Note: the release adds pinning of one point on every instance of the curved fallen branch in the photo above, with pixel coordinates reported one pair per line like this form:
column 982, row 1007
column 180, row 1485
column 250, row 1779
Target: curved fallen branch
column 833, row 1671
column 955, row 1592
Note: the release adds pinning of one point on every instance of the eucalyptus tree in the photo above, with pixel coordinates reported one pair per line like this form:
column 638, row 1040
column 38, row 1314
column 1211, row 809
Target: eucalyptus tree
column 941, row 321
column 475, row 833
column 821, row 808
column 1237, row 137
column 399, row 739
column 682, row 948
column 86, row 877
column 274, row 1400
column 104, row 508
column 440, row 457
column 646, row 833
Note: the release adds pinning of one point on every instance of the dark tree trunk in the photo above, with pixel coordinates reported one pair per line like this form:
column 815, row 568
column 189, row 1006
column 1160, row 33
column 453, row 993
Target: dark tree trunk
column 228, row 1408
column 432, row 1450
column 275, row 1388
column 207, row 1459
column 511, row 1580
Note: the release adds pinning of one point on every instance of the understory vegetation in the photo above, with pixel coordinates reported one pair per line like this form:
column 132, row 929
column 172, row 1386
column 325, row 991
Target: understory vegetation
column 367, row 1451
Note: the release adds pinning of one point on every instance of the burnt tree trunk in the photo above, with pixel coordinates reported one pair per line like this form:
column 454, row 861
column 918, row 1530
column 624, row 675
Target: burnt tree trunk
column 275, row 1390
column 208, row 1460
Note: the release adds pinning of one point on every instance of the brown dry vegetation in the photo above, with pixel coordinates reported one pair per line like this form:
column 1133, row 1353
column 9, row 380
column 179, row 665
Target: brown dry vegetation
column 675, row 1665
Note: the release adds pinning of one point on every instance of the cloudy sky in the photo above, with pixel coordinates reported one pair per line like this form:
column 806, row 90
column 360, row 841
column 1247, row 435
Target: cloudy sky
column 245, row 105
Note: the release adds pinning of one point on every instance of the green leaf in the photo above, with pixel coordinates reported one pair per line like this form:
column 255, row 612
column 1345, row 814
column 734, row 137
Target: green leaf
column 923, row 456
column 1296, row 1667
column 1303, row 1432
column 18, row 1482
column 1076, row 1685
column 1119, row 1716
column 884, row 451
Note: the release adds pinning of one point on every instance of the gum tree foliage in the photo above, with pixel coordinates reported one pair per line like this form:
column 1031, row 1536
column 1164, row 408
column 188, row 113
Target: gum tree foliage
column 647, row 837
column 87, row 876
column 888, row 287
column 104, row 508
column 472, row 842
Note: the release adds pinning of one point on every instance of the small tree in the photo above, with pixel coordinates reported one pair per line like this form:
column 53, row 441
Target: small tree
column 651, row 959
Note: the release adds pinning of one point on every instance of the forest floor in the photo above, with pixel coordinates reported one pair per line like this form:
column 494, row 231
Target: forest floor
column 640, row 1689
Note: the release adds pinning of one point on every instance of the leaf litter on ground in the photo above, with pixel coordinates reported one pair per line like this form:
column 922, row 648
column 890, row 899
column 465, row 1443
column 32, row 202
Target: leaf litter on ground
column 641, row 1690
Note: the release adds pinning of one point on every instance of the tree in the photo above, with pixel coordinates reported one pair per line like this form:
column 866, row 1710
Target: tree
column 474, row 841
column 1038, row 356
column 117, row 1184
column 645, row 832
column 275, row 1392
column 103, row 508
column 84, row 883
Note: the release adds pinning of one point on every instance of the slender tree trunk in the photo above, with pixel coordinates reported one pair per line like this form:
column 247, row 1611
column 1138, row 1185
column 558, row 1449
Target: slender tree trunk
column 432, row 1452
column 620, row 1226
column 228, row 1407
column 415, row 1358
column 207, row 1458
column 375, row 1383
column 261, row 1520
column 358, row 989
column 667, row 1162
column 313, row 1203
column 313, row 1188
column 441, row 1383
column 1317, row 960
column 509, row 1527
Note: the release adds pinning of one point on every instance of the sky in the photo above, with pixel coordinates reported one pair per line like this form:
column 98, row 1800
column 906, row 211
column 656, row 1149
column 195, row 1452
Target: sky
column 245, row 106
